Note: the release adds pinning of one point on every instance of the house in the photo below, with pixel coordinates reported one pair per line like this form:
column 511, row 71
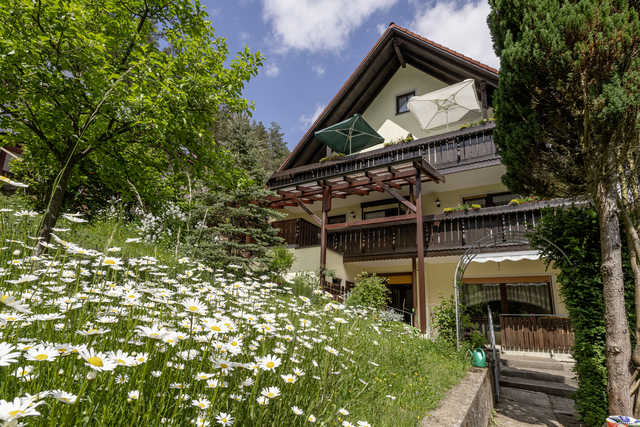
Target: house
column 7, row 154
column 391, row 209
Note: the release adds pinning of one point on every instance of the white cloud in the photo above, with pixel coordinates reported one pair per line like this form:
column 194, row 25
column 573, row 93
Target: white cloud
column 317, row 25
column 307, row 121
column 381, row 28
column 271, row 70
column 461, row 28
column 319, row 70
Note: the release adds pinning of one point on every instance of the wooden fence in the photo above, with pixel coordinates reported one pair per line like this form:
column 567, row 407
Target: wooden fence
column 536, row 333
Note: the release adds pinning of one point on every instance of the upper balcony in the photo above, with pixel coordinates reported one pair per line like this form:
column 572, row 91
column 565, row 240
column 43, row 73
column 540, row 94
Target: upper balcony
column 449, row 152
column 444, row 234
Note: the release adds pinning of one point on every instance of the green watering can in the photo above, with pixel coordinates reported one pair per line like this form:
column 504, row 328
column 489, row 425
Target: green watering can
column 478, row 358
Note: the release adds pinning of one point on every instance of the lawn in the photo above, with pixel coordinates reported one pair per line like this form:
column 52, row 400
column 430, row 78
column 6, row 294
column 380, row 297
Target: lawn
column 108, row 330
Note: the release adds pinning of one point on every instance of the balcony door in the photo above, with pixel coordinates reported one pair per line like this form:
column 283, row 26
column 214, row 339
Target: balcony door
column 401, row 287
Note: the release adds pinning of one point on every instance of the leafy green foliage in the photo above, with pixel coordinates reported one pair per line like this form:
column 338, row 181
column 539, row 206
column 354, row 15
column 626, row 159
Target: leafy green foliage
column 280, row 260
column 370, row 290
column 256, row 149
column 568, row 93
column 575, row 231
column 444, row 320
column 228, row 227
column 88, row 87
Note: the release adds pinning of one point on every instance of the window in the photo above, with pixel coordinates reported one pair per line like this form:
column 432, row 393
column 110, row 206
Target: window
column 382, row 208
column 402, row 102
column 337, row 219
column 487, row 200
column 381, row 213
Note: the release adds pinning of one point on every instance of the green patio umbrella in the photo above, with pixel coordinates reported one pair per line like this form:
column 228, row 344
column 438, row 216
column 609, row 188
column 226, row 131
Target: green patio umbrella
column 353, row 134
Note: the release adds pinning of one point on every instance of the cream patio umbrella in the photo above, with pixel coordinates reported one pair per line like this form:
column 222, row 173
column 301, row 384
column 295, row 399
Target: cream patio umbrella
column 446, row 105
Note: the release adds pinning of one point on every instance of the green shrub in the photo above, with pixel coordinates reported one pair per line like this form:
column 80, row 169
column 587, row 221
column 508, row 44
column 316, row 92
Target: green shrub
column 575, row 231
column 280, row 260
column 370, row 291
column 443, row 320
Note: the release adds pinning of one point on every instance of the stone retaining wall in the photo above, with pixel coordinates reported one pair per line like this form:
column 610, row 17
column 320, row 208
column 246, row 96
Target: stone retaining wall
column 468, row 404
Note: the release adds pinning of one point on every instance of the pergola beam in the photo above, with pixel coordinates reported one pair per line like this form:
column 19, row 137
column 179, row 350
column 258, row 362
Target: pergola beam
column 315, row 217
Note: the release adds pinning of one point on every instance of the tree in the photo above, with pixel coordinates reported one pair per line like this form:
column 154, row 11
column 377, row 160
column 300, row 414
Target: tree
column 566, row 105
column 256, row 149
column 227, row 225
column 131, row 88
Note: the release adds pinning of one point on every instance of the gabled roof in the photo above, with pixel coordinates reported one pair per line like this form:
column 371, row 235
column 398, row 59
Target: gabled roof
column 396, row 47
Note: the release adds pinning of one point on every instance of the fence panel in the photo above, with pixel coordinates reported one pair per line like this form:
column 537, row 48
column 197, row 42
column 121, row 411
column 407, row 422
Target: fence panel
column 536, row 333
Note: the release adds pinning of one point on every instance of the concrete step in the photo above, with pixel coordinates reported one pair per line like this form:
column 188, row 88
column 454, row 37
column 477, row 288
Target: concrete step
column 549, row 376
column 541, row 363
column 552, row 388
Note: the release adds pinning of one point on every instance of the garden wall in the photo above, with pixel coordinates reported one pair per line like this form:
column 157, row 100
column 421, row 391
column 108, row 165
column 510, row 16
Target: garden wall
column 468, row 404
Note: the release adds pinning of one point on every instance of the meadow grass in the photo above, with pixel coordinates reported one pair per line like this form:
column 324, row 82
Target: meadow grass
column 136, row 336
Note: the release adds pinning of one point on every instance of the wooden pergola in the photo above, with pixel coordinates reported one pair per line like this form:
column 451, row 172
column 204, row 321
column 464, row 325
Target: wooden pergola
column 345, row 181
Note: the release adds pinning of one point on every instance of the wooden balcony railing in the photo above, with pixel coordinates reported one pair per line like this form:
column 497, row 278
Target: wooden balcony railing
column 536, row 333
column 459, row 149
column 444, row 234
column 298, row 232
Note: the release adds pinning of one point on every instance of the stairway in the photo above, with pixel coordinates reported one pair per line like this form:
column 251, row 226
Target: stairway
column 541, row 374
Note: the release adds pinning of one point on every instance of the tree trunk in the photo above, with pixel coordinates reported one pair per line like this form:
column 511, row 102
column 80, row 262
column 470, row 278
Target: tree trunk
column 618, row 343
column 55, row 206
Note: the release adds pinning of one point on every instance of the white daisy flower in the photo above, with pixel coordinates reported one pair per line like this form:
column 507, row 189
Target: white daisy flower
column 7, row 354
column 42, row 353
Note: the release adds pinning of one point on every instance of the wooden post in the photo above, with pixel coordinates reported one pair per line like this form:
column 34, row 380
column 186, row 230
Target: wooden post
column 326, row 207
column 414, row 281
column 414, row 289
column 422, row 297
column 484, row 101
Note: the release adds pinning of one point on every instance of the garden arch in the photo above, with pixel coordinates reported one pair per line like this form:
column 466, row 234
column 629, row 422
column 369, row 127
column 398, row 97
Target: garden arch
column 507, row 238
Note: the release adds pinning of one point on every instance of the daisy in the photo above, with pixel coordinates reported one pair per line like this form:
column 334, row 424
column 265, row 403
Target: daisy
column 97, row 361
column 296, row 410
column 346, row 423
column 289, row 379
column 20, row 407
column 202, row 376
column 64, row 397
column 270, row 392
column 269, row 362
column 7, row 354
column 363, row 424
column 262, row 401
column 201, row 403
column 192, row 305
column 343, row 411
column 42, row 352
column 224, row 419
column 311, row 418
column 213, row 383
column 24, row 373
column 122, row 358
column 134, row 395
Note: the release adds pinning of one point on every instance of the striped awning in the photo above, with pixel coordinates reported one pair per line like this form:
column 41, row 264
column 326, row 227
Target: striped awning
column 507, row 256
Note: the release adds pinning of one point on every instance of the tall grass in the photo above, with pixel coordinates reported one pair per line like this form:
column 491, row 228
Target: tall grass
column 146, row 339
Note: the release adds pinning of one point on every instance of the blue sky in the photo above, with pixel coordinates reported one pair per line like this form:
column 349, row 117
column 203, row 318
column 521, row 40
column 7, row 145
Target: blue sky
column 312, row 46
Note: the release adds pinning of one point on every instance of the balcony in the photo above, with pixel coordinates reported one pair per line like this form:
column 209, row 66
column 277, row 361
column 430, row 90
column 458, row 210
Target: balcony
column 449, row 152
column 444, row 234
